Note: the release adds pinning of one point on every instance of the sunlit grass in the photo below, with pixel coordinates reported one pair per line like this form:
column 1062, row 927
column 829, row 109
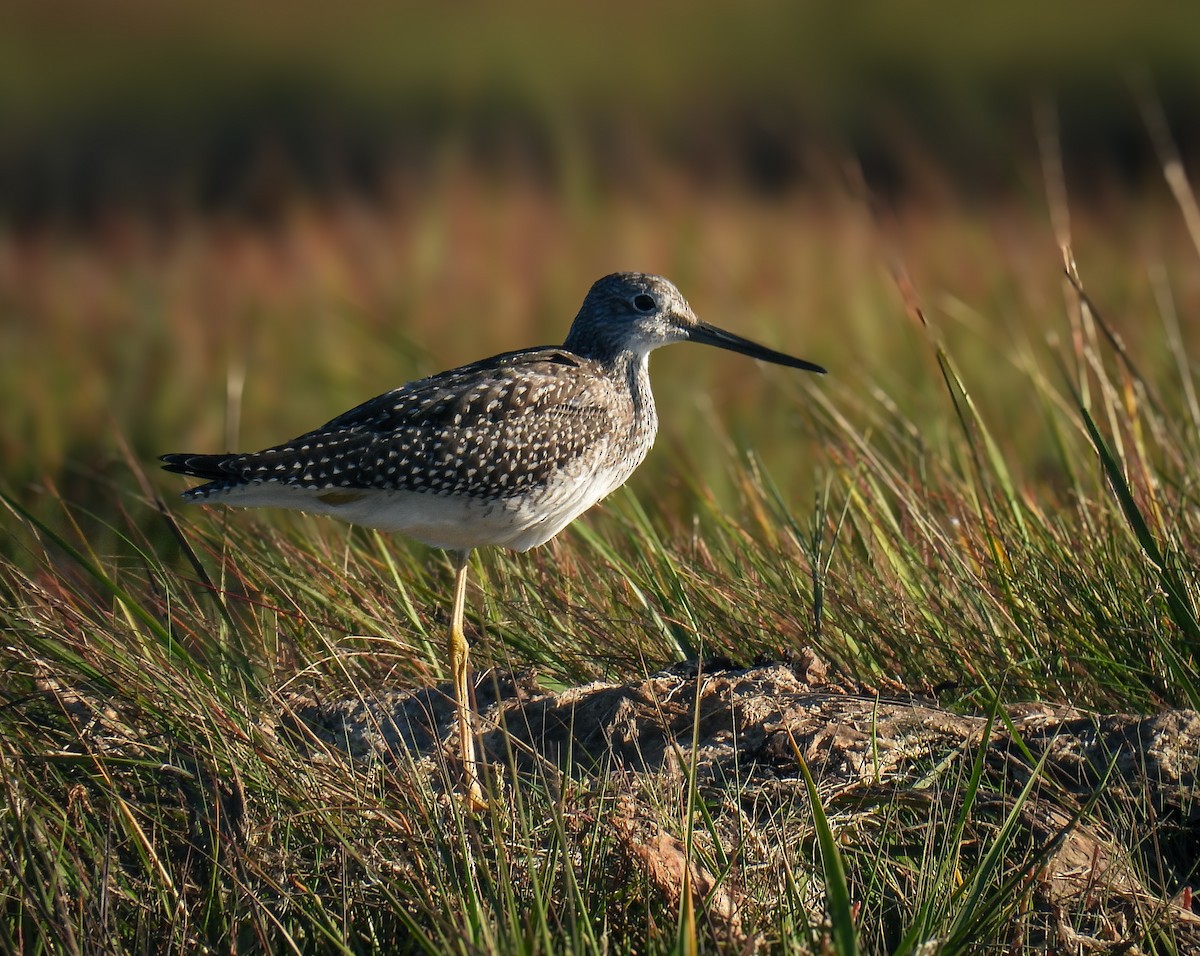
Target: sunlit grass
column 992, row 495
column 153, row 794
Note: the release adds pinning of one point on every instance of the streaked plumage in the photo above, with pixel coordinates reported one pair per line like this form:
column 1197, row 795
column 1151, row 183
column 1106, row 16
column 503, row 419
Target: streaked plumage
column 505, row 451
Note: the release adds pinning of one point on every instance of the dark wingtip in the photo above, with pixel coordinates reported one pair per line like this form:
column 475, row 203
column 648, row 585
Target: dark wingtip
column 174, row 462
column 196, row 466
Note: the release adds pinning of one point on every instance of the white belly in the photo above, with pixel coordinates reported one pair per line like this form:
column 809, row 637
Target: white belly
column 442, row 521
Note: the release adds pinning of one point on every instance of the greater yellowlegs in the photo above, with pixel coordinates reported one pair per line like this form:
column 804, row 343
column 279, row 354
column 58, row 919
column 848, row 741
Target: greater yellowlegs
column 506, row 451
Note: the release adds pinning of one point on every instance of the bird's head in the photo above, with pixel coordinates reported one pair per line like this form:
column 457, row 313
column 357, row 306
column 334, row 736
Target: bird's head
column 635, row 313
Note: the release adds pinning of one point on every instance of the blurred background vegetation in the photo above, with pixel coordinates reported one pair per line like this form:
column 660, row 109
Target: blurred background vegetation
column 224, row 105
column 286, row 208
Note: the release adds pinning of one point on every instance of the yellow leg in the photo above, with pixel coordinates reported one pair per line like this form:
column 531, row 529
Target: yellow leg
column 460, row 672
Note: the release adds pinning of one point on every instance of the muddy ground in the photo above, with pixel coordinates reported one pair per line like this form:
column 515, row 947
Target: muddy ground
column 1109, row 837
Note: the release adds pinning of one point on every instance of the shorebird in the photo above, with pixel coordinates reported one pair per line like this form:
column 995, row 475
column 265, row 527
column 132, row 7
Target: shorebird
column 505, row 451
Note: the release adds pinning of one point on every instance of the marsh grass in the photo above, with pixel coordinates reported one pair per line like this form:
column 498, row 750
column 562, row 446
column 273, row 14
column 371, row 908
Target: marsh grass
column 991, row 510
column 152, row 799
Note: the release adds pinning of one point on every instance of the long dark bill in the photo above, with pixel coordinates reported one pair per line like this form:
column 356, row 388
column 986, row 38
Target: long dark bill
column 707, row 334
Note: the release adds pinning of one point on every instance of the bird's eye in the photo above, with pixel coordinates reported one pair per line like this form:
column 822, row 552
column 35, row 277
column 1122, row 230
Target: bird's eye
column 644, row 303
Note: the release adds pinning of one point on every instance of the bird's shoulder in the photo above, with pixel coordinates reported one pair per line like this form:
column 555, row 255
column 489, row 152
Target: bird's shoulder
column 501, row 387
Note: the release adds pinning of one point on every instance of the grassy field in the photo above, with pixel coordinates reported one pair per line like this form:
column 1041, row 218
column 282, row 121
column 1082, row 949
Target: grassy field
column 993, row 494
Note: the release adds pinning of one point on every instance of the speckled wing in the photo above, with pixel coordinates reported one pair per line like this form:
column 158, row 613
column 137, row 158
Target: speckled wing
column 495, row 429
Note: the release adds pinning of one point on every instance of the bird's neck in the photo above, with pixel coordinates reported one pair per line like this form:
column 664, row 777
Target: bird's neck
column 634, row 368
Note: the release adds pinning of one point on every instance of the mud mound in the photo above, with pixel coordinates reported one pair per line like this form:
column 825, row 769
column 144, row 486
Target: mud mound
column 1112, row 822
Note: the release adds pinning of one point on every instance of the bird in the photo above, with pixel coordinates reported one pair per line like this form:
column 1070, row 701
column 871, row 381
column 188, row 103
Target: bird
column 506, row 451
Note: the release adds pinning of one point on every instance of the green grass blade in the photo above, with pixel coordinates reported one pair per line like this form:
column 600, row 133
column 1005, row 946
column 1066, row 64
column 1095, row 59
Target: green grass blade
column 837, row 889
